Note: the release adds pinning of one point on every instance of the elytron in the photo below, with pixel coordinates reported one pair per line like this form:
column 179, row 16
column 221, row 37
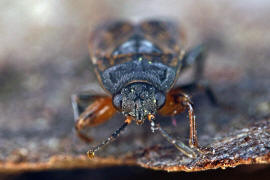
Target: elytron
column 137, row 65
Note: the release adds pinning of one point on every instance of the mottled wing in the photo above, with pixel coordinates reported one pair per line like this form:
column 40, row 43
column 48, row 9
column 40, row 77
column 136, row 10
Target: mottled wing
column 121, row 46
column 168, row 37
column 165, row 34
column 105, row 39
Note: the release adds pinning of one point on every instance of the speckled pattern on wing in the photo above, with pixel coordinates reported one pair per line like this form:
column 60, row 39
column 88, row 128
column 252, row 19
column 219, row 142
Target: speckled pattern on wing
column 105, row 39
column 117, row 42
column 164, row 34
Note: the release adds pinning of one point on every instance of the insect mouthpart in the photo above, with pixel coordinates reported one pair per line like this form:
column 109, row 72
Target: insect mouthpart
column 138, row 100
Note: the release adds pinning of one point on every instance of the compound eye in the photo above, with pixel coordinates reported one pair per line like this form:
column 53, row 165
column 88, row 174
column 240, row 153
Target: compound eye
column 160, row 97
column 117, row 101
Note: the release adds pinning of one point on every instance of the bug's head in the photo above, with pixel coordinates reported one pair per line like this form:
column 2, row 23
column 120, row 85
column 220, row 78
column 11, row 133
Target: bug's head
column 138, row 100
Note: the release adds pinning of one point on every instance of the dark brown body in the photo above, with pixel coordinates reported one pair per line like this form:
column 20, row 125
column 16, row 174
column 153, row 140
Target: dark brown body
column 142, row 59
column 119, row 44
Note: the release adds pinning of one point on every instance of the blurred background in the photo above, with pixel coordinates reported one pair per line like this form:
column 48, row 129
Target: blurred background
column 44, row 59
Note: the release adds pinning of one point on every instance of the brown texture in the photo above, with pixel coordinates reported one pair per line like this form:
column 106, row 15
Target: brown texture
column 246, row 146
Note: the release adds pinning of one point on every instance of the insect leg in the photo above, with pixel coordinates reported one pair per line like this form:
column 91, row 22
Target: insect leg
column 89, row 111
column 178, row 144
column 197, row 56
column 177, row 102
column 91, row 152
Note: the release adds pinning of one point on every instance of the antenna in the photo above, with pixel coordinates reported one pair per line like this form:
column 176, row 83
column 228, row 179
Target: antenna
column 91, row 152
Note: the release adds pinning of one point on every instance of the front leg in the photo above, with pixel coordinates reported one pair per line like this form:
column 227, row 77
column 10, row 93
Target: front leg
column 90, row 110
column 178, row 102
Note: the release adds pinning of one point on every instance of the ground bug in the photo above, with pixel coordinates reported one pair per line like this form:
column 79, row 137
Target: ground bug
column 138, row 64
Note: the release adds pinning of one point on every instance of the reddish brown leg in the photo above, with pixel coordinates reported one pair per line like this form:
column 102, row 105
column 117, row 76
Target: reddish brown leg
column 178, row 144
column 177, row 102
column 91, row 111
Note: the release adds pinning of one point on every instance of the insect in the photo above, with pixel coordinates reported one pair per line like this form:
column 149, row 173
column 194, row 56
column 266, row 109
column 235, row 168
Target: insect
column 137, row 65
